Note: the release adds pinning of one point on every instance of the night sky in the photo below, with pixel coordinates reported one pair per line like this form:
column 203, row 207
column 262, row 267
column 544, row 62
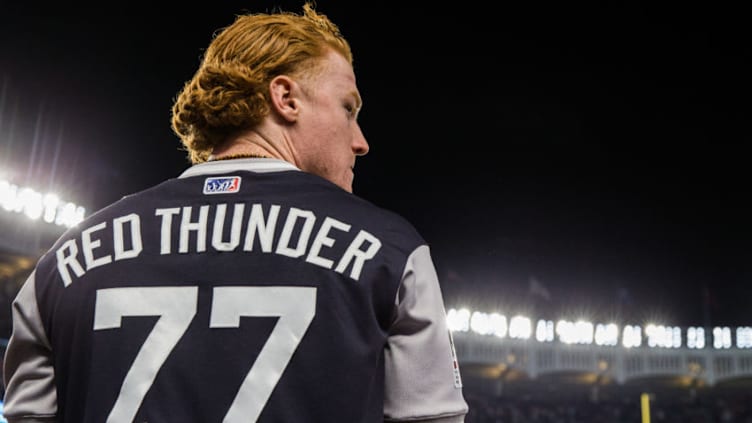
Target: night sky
column 600, row 151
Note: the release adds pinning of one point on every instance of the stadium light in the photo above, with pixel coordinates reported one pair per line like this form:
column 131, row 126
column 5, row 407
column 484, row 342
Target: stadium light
column 544, row 331
column 36, row 206
column 721, row 337
column 498, row 324
column 661, row 336
column 479, row 323
column 696, row 338
column 488, row 324
column 579, row 332
column 458, row 320
column 520, row 327
column 606, row 334
column 631, row 336
column 600, row 334
column 744, row 337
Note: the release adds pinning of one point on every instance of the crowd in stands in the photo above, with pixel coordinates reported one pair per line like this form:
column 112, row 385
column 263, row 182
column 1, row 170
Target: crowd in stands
column 718, row 409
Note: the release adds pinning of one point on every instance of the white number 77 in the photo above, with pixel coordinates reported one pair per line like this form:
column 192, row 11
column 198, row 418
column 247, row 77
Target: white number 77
column 176, row 306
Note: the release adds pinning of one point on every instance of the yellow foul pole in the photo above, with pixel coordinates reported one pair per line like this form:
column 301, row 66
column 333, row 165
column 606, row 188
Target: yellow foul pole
column 645, row 406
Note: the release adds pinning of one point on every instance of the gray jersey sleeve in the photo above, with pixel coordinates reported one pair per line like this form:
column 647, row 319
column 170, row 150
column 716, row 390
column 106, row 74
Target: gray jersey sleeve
column 30, row 393
column 422, row 376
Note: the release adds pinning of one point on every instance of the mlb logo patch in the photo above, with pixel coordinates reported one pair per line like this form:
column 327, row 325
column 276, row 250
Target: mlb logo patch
column 222, row 185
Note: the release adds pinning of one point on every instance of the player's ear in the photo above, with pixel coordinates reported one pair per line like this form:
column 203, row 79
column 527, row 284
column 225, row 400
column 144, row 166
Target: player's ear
column 284, row 96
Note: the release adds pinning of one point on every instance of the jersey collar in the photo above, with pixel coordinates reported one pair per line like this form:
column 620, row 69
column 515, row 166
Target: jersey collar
column 226, row 166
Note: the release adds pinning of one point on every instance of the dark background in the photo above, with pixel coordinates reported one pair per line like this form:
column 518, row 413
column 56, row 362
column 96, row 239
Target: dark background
column 597, row 151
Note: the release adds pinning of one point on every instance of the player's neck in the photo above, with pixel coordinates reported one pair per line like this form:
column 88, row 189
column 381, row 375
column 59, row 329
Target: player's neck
column 214, row 158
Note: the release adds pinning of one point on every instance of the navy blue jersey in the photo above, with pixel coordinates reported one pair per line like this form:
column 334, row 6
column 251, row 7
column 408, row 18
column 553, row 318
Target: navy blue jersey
column 242, row 291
